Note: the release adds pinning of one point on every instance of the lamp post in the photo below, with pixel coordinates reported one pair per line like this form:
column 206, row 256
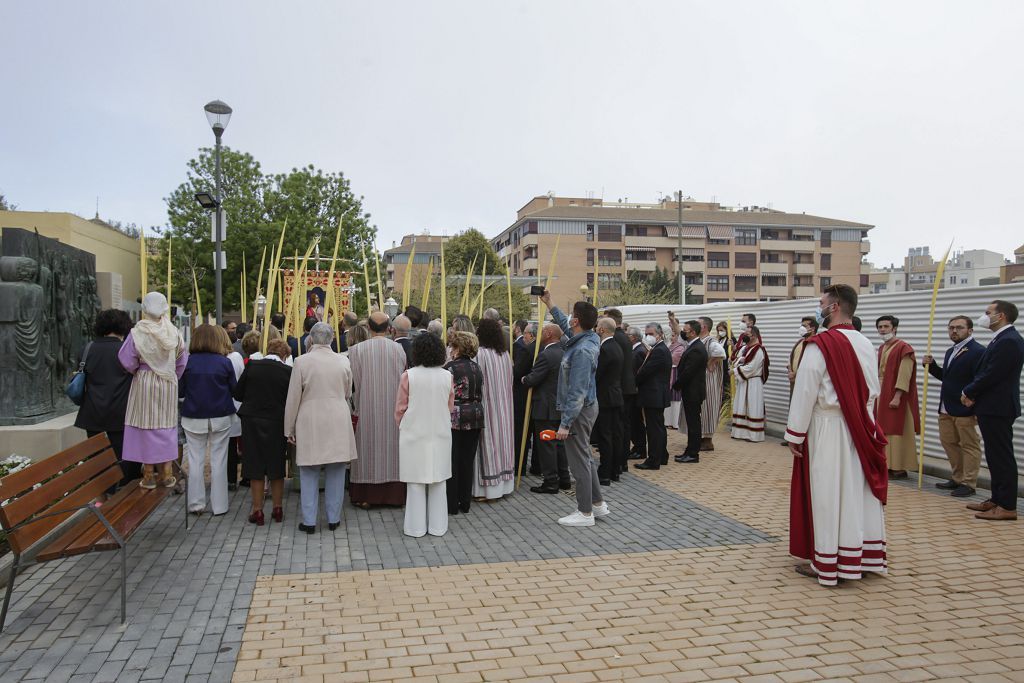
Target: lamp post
column 218, row 114
column 584, row 290
column 391, row 307
column 679, row 253
column 261, row 309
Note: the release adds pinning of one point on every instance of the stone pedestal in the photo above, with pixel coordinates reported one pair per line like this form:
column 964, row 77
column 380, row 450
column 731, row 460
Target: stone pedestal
column 40, row 440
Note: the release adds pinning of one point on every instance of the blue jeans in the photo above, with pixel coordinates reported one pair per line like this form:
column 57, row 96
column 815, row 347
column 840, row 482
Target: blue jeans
column 334, row 491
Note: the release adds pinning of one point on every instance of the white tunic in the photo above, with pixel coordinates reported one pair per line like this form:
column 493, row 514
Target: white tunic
column 425, row 435
column 849, row 522
column 748, row 405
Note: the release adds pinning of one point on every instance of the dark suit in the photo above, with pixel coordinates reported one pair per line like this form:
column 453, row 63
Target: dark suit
column 958, row 426
column 628, row 383
column 691, row 383
column 522, row 362
column 637, row 432
column 406, row 344
column 996, row 395
column 654, row 396
column 609, row 407
column 543, row 377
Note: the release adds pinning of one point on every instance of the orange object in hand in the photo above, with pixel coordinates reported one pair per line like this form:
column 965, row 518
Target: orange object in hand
column 548, row 435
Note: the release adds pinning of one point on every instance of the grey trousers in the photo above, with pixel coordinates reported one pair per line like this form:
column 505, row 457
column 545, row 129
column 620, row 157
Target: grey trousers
column 581, row 462
column 334, row 491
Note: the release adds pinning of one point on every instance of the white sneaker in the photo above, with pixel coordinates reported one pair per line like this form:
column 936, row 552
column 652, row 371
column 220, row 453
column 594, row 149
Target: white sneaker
column 602, row 510
column 577, row 519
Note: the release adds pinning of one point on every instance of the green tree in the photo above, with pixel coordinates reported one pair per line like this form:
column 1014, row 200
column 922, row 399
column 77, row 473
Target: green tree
column 256, row 206
column 658, row 289
column 462, row 249
column 5, row 204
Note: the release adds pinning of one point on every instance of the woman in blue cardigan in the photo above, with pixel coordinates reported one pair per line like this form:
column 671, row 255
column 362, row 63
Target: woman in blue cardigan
column 206, row 409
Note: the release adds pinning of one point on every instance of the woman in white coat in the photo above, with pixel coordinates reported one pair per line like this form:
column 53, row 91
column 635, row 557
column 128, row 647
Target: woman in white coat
column 423, row 414
column 317, row 419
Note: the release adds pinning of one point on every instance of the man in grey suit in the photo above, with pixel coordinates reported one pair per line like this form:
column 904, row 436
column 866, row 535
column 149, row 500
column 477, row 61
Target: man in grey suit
column 543, row 377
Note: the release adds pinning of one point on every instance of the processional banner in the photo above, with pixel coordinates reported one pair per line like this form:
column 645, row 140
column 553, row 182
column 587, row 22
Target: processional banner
column 313, row 290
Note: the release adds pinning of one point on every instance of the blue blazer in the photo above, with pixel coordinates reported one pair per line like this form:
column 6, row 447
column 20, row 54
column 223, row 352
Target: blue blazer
column 996, row 385
column 954, row 378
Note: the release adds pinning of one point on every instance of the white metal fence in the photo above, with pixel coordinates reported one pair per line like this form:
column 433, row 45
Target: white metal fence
column 779, row 322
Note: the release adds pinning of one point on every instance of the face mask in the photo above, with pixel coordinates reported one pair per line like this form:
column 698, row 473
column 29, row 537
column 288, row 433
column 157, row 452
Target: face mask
column 650, row 340
column 887, row 336
column 721, row 334
column 742, row 327
column 803, row 331
column 983, row 321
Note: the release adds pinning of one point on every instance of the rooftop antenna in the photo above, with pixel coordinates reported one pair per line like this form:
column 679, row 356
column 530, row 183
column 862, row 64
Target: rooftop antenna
column 97, row 207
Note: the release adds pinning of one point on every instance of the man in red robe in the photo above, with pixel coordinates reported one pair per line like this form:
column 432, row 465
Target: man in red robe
column 897, row 411
column 837, row 518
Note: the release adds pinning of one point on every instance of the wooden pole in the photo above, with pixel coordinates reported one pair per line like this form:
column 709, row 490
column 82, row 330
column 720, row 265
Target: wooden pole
column 380, row 290
column 242, row 292
column 169, row 243
column 924, row 385
column 330, row 287
column 366, row 280
column 275, row 258
column 444, row 299
column 508, row 291
column 407, row 280
column 143, row 263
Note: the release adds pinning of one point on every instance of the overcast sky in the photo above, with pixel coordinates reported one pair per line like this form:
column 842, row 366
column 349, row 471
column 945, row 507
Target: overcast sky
column 904, row 115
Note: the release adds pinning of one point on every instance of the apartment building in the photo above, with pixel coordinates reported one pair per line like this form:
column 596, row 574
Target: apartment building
column 1013, row 272
column 965, row 268
column 728, row 254
column 426, row 259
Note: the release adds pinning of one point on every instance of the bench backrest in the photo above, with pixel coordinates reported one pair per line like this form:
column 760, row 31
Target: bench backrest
column 67, row 480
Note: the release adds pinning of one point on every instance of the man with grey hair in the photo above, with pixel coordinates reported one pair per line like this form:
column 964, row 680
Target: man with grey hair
column 492, row 314
column 637, row 434
column 652, row 380
column 436, row 327
column 377, row 367
column 400, row 328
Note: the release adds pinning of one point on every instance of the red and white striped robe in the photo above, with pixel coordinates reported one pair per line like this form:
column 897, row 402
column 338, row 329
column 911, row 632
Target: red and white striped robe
column 377, row 367
column 495, row 452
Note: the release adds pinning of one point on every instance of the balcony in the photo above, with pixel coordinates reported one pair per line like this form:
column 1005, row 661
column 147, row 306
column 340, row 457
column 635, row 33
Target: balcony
column 775, row 268
column 696, row 290
column 805, row 292
column 631, row 265
column 529, row 264
column 865, row 246
column 774, row 292
column 804, row 268
column 787, row 245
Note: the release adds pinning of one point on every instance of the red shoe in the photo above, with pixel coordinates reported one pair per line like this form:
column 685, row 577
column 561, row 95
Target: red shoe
column 257, row 518
column 277, row 515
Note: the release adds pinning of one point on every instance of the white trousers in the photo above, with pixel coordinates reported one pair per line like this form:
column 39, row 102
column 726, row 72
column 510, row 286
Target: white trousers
column 426, row 509
column 672, row 414
column 204, row 435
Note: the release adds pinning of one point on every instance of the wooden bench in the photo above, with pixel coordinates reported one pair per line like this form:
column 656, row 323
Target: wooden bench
column 48, row 493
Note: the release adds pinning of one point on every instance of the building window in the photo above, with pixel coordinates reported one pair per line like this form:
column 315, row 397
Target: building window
column 694, row 258
column 718, row 259
column 590, row 233
column 746, row 283
column 609, row 233
column 771, row 257
column 746, row 260
column 636, row 231
column 803, row 281
column 607, row 281
column 863, row 280
column 718, row 283
column 825, row 282
column 773, row 280
column 530, row 252
column 826, row 261
column 590, row 257
column 609, row 257
column 531, row 228
column 713, row 241
column 638, row 255
column 769, row 234
column 803, row 258
column 695, row 299
column 694, row 278
column 746, row 237
column 826, row 238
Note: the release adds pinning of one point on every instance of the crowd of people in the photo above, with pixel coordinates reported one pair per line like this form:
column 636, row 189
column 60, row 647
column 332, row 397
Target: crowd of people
column 404, row 412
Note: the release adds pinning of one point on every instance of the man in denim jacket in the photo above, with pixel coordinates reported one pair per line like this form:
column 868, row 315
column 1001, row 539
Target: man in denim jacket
column 577, row 403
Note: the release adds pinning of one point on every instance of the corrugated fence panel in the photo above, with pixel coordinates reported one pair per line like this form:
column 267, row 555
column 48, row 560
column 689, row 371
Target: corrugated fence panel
column 779, row 322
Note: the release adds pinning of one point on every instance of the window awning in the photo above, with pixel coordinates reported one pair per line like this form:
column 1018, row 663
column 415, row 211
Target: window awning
column 693, row 231
column 803, row 232
column 720, row 232
column 693, row 252
column 628, row 249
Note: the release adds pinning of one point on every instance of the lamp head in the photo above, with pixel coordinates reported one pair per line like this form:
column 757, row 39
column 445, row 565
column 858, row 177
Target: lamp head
column 218, row 114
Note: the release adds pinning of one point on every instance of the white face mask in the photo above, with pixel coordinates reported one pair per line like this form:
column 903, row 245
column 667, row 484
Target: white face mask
column 983, row 321
column 650, row 340
column 803, row 331
column 721, row 334
column 742, row 327
column 887, row 336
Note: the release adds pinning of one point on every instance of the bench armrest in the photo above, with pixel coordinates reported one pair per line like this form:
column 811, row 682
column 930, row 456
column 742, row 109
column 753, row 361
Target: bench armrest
column 96, row 510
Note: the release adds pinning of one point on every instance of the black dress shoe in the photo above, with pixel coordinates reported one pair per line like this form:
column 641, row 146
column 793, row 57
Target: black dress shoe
column 636, row 456
column 464, row 509
column 307, row 529
column 615, row 477
column 453, row 511
column 232, row 487
column 688, row 459
column 534, row 472
column 604, row 482
column 544, row 489
column 331, row 526
column 962, row 491
column 648, row 466
column 949, row 485
column 565, row 485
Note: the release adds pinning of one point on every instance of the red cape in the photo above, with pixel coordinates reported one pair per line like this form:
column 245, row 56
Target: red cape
column 891, row 419
column 847, row 377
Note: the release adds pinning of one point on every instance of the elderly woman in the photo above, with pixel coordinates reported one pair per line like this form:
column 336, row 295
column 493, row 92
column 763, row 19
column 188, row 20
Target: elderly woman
column 422, row 412
column 317, row 419
column 357, row 333
column 107, row 385
column 154, row 353
column 494, row 462
column 207, row 411
column 467, row 417
column 263, row 392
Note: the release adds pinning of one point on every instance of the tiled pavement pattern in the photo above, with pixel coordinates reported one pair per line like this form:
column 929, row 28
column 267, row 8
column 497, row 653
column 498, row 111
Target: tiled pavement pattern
column 675, row 586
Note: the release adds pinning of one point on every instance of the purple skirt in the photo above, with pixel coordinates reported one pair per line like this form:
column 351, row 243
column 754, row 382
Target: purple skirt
column 150, row 446
column 676, row 395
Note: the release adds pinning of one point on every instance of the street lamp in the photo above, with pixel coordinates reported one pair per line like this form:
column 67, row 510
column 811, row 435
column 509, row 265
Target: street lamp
column 218, row 114
column 261, row 307
column 391, row 307
column 583, row 292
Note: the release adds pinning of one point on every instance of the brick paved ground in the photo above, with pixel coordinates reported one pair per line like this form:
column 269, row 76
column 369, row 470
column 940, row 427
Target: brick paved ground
column 688, row 580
